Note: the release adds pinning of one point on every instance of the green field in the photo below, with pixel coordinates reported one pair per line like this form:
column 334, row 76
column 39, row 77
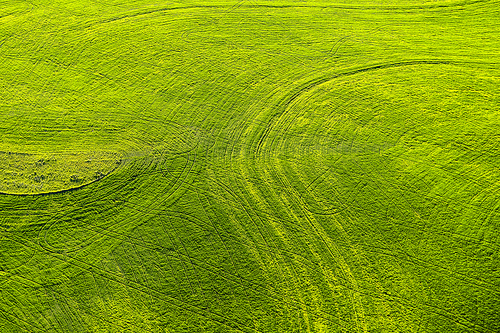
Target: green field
column 249, row 166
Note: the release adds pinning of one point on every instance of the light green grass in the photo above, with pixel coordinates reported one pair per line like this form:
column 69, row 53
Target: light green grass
column 255, row 166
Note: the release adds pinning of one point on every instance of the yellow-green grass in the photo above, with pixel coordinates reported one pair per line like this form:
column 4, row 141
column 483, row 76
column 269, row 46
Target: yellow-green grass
column 251, row 166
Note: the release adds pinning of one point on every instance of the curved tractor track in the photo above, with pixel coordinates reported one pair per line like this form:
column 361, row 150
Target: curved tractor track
column 249, row 166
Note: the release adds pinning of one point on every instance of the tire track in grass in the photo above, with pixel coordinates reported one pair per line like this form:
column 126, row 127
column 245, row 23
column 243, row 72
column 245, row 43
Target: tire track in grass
column 283, row 118
column 248, row 193
column 190, row 260
column 290, row 269
column 230, row 7
column 39, row 312
column 178, row 258
column 172, row 189
column 184, row 168
column 471, row 278
column 270, row 248
column 39, row 285
column 125, row 238
column 284, row 105
column 228, row 153
column 159, row 295
column 234, row 238
column 247, row 208
column 166, row 250
column 466, row 281
column 441, row 198
column 19, row 306
column 447, row 314
column 15, row 323
column 226, row 249
column 383, row 192
column 337, row 257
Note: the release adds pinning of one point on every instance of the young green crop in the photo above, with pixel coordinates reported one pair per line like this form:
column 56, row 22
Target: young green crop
column 249, row 166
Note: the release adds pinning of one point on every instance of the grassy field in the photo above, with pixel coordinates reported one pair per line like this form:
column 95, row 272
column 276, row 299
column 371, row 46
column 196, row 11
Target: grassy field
column 249, row 166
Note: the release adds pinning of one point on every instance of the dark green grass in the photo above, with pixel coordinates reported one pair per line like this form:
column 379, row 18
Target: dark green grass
column 256, row 166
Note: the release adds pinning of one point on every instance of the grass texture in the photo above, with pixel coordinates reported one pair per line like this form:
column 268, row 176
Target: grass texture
column 249, row 166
